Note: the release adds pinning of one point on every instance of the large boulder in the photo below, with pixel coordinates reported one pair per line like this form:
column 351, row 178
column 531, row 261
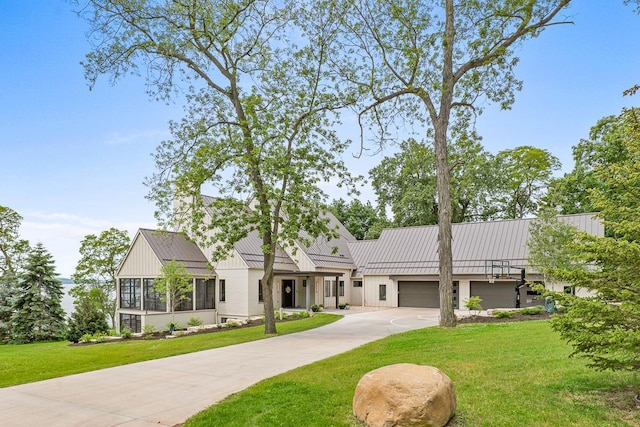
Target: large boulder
column 405, row 395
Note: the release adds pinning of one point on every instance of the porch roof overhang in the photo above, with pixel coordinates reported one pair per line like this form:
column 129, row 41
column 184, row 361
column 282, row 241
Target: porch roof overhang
column 308, row 273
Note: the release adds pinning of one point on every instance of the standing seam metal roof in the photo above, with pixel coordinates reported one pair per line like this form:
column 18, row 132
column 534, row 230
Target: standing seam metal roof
column 414, row 250
column 168, row 245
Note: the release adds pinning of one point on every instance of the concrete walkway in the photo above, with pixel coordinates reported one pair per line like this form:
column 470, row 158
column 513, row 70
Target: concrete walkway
column 167, row 391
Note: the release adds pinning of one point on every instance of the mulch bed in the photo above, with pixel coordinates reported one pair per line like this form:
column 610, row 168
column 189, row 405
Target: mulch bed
column 517, row 317
column 164, row 334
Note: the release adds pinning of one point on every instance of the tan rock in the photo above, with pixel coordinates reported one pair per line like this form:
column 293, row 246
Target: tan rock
column 405, row 395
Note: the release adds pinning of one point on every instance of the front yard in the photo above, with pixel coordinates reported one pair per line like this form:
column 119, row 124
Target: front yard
column 505, row 374
column 25, row 363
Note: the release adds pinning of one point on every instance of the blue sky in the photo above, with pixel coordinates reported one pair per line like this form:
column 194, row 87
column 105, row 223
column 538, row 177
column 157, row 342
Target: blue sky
column 72, row 161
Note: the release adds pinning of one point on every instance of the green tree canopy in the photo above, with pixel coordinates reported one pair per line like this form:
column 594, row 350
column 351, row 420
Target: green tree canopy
column 605, row 327
column 38, row 314
column 13, row 251
column 174, row 285
column 88, row 316
column 435, row 63
column 406, row 183
column 570, row 193
column 260, row 114
column 96, row 270
column 524, row 174
column 361, row 219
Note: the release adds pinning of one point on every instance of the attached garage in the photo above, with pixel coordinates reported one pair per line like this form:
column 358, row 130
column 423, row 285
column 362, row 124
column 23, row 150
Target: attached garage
column 501, row 294
column 422, row 294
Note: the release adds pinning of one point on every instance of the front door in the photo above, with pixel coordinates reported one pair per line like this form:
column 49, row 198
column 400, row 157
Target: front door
column 288, row 292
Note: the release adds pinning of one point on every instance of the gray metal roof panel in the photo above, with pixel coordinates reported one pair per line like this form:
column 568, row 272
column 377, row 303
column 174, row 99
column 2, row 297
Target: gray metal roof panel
column 321, row 250
column 250, row 249
column 168, row 245
column 413, row 250
column 361, row 251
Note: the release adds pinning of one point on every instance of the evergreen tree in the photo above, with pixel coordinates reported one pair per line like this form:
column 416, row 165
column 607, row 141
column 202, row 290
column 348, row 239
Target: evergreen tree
column 88, row 316
column 38, row 314
column 13, row 250
column 605, row 326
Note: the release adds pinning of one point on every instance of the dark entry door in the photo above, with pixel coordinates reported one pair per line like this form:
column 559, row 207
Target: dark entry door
column 288, row 291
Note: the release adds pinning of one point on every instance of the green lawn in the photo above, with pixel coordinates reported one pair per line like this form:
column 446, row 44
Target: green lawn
column 34, row 362
column 509, row 374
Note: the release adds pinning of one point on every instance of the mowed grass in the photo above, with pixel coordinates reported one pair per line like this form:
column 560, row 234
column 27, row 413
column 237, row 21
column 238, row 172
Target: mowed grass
column 21, row 364
column 509, row 374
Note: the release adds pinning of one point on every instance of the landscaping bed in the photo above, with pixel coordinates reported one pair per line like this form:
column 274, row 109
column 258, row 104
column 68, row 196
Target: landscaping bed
column 190, row 331
column 516, row 317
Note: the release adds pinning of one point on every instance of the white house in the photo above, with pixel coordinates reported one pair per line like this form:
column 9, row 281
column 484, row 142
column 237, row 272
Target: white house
column 400, row 269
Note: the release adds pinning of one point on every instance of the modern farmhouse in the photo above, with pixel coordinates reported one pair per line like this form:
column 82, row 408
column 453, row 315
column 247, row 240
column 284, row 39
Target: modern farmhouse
column 400, row 269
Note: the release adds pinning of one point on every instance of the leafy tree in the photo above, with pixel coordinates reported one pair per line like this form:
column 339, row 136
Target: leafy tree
column 38, row 314
column 88, row 316
column 361, row 219
column 174, row 285
column 406, row 183
column 605, row 327
column 435, row 62
column 525, row 175
column 570, row 193
column 259, row 121
column 12, row 253
column 96, row 270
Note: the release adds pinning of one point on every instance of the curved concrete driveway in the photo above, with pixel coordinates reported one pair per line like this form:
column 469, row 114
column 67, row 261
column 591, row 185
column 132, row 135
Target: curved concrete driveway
column 167, row 391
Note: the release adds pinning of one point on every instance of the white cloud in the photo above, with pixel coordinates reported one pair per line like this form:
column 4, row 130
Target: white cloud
column 61, row 234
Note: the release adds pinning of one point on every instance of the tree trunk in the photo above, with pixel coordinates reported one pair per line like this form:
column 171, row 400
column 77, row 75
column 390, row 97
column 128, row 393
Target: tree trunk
column 441, row 124
column 267, row 291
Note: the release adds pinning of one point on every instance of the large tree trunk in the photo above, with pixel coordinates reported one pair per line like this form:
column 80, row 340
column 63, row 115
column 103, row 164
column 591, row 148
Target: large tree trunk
column 267, row 290
column 447, row 315
column 441, row 124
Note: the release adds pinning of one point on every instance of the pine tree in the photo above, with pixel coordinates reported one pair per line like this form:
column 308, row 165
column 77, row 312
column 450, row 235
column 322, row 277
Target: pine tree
column 38, row 314
column 88, row 317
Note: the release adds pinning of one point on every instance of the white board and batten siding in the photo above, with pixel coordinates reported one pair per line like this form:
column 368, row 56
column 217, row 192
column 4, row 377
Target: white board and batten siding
column 140, row 261
column 371, row 291
column 235, row 304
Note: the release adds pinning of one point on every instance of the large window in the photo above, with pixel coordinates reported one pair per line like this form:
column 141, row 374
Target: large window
column 260, row 296
column 130, row 293
column 131, row 321
column 327, row 288
column 185, row 304
column 330, row 288
column 205, row 294
column 152, row 301
column 382, row 292
column 223, row 290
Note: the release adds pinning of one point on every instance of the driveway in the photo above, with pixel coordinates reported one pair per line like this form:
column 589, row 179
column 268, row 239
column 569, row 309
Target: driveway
column 167, row 391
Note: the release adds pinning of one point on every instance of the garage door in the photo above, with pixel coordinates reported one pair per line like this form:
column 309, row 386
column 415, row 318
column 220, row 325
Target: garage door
column 422, row 294
column 503, row 295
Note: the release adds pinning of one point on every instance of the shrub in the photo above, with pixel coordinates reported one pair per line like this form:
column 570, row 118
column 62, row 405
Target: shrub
column 148, row 331
column 99, row 337
column 532, row 311
column 86, row 338
column 300, row 315
column 126, row 333
column 473, row 303
column 504, row 314
column 232, row 324
column 316, row 308
column 195, row 321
